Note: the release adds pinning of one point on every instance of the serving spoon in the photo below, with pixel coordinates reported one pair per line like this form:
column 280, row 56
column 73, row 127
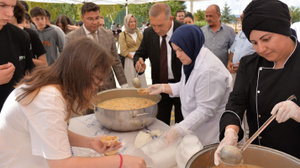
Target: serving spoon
column 231, row 155
column 136, row 81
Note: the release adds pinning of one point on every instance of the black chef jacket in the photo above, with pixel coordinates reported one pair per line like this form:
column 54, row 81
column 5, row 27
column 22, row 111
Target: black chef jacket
column 258, row 88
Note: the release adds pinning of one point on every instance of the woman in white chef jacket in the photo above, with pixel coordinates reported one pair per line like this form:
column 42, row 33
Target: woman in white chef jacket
column 203, row 89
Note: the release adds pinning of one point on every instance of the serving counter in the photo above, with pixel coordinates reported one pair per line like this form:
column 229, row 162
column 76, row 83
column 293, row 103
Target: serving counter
column 88, row 125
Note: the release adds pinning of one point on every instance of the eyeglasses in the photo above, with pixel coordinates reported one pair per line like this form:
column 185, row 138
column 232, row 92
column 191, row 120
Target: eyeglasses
column 90, row 19
column 100, row 80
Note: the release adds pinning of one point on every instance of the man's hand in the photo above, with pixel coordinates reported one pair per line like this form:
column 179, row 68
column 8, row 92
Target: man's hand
column 6, row 73
column 232, row 68
column 142, row 63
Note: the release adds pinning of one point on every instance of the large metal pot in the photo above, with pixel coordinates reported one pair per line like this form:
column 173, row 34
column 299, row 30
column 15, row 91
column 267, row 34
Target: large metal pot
column 126, row 120
column 254, row 155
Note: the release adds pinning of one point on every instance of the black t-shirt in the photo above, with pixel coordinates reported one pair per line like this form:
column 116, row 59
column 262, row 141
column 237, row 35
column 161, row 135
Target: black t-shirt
column 14, row 48
column 38, row 48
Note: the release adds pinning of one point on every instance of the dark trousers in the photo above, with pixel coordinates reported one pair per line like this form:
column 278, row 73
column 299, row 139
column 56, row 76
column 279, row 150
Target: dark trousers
column 165, row 107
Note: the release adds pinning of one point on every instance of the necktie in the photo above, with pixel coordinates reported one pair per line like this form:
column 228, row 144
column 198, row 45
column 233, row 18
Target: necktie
column 163, row 61
column 94, row 36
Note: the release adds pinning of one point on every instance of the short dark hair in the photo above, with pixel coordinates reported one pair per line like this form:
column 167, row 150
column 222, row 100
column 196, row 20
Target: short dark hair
column 190, row 15
column 48, row 15
column 181, row 10
column 19, row 12
column 79, row 23
column 27, row 17
column 37, row 11
column 24, row 3
column 89, row 6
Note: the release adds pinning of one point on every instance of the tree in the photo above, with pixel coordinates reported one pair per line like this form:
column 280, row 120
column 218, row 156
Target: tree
column 199, row 15
column 142, row 10
column 295, row 13
column 110, row 11
column 175, row 6
column 56, row 9
column 226, row 16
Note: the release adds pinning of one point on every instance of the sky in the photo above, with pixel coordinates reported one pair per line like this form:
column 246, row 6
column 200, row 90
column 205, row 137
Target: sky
column 236, row 6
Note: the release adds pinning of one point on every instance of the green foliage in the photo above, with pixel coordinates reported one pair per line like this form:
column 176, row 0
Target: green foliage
column 56, row 9
column 201, row 23
column 226, row 16
column 199, row 15
column 140, row 10
column 295, row 13
column 110, row 11
column 175, row 6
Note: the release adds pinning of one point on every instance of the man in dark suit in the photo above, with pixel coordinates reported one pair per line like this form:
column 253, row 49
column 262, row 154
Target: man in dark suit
column 90, row 16
column 162, row 26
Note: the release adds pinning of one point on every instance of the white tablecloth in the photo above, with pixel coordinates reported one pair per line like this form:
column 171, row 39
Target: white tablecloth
column 88, row 125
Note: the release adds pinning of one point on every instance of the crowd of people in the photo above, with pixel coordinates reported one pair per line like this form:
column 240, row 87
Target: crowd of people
column 213, row 78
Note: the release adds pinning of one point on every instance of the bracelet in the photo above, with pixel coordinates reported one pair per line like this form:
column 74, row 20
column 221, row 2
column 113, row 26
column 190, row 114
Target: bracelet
column 121, row 161
column 163, row 86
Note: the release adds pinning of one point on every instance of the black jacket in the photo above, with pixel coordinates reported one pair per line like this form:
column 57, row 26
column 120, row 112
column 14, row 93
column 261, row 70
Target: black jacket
column 150, row 48
column 258, row 88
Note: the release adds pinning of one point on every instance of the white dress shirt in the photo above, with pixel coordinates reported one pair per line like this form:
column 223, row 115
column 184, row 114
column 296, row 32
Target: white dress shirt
column 89, row 34
column 169, row 51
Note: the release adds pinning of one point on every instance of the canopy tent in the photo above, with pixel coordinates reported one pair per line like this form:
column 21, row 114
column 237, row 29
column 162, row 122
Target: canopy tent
column 100, row 2
column 192, row 4
column 111, row 2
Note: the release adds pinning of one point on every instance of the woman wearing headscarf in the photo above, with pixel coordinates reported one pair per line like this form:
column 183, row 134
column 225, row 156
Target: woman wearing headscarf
column 203, row 89
column 265, row 80
column 129, row 42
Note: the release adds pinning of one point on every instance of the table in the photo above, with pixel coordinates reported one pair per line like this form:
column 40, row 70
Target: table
column 88, row 125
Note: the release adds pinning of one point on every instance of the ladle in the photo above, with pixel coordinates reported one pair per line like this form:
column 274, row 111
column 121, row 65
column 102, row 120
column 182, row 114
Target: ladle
column 136, row 81
column 231, row 155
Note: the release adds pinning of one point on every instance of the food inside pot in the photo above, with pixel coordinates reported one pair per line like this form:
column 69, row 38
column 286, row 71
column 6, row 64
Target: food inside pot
column 126, row 103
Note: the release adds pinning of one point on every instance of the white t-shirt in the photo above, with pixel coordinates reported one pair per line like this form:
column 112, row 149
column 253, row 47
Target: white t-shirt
column 31, row 134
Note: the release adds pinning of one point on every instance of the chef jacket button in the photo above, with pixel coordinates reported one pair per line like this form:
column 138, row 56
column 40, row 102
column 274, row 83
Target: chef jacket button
column 258, row 91
column 259, row 116
column 260, row 68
